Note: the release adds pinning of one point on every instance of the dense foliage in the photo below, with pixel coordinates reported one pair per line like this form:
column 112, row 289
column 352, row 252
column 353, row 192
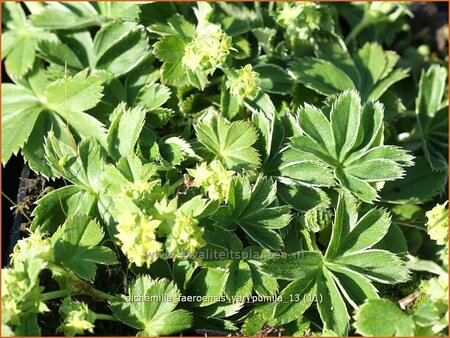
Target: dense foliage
column 255, row 169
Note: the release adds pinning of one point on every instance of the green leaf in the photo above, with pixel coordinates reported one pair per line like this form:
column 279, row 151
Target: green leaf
column 368, row 231
column 331, row 306
column 231, row 143
column 175, row 150
column 20, row 110
column 170, row 49
column 355, row 287
column 314, row 124
column 274, row 79
column 261, row 103
column 321, row 76
column 249, row 209
column 239, row 281
column 124, row 130
column 432, row 124
column 382, row 86
column 431, row 91
column 263, row 284
column 265, row 37
column 66, row 16
column 74, row 94
column 341, row 151
column 156, row 315
column 381, row 317
column 76, row 247
column 371, row 62
column 120, row 47
column 82, row 166
column 293, row 266
column 209, row 283
column 52, row 209
column 20, row 42
column 337, row 54
column 376, row 170
column 297, row 298
column 60, row 54
column 419, row 185
column 307, row 172
column 378, row 265
column 119, row 10
column 28, row 326
column 21, row 56
column 302, row 198
column 344, row 221
column 152, row 96
column 345, row 117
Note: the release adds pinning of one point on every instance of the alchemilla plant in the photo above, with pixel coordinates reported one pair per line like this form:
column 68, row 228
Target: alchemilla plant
column 226, row 169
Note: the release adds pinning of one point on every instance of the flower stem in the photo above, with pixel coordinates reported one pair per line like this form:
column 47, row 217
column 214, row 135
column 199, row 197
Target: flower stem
column 357, row 29
column 54, row 295
column 101, row 316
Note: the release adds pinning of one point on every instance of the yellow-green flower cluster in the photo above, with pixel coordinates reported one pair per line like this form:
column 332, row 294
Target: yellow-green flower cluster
column 33, row 246
column 245, row 83
column 13, row 284
column 437, row 223
column 186, row 235
column 20, row 285
column 213, row 178
column 436, row 289
column 77, row 318
column 139, row 190
column 20, row 282
column 208, row 50
column 137, row 234
column 304, row 18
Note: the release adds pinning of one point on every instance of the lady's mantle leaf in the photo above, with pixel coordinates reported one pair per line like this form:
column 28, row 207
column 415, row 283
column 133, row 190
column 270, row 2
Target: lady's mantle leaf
column 321, row 76
column 231, row 143
column 66, row 99
column 349, row 237
column 75, row 245
column 347, row 148
column 249, row 209
column 149, row 307
column 420, row 184
column 345, row 272
column 51, row 210
column 20, row 110
column 120, row 47
column 19, row 42
column 371, row 71
column 432, row 120
column 381, row 317
column 124, row 130
column 74, row 94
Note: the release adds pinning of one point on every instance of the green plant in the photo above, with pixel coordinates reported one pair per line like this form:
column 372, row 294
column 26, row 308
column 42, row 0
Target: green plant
column 225, row 168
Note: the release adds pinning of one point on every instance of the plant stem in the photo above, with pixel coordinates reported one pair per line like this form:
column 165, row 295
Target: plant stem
column 357, row 29
column 102, row 295
column 101, row 316
column 82, row 287
column 16, row 206
column 54, row 294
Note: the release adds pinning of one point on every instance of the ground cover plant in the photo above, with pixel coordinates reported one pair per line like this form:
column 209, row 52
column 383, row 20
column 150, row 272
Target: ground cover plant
column 227, row 169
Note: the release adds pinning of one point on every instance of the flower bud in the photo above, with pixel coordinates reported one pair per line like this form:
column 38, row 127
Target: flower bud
column 77, row 318
column 214, row 179
column 208, row 50
column 245, row 83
